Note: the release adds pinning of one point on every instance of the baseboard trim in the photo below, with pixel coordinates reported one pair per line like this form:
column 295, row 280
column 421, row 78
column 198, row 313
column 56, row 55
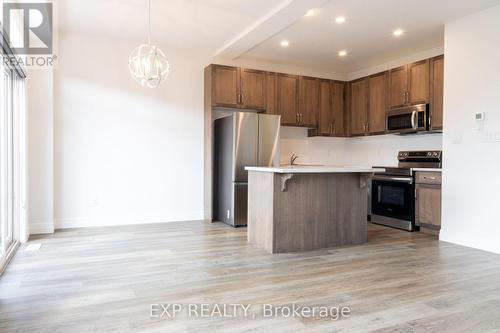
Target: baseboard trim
column 69, row 223
column 41, row 228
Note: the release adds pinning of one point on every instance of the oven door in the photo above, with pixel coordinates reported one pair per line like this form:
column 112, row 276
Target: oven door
column 393, row 197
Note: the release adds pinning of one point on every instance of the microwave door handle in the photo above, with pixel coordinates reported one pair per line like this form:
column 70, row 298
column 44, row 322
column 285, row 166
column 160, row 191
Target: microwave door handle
column 413, row 121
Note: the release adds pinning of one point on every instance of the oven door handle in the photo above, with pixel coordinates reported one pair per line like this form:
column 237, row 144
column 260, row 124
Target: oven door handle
column 408, row 180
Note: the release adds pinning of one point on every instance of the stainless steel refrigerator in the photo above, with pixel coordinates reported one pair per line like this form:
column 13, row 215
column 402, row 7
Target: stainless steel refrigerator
column 241, row 139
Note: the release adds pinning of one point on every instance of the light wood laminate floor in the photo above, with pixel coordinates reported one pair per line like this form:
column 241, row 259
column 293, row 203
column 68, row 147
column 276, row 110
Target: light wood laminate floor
column 105, row 279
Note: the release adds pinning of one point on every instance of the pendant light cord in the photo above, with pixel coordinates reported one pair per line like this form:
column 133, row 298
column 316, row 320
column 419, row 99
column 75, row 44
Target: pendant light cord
column 149, row 22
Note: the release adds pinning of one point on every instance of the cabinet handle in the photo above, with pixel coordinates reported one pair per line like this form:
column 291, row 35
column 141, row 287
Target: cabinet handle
column 297, row 121
column 300, row 118
column 430, row 178
column 241, row 98
column 407, row 97
column 333, row 128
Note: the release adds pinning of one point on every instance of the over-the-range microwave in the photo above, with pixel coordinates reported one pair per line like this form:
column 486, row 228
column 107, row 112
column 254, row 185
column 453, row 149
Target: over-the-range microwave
column 408, row 119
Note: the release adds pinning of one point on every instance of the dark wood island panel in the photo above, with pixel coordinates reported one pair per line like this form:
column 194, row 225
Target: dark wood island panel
column 306, row 211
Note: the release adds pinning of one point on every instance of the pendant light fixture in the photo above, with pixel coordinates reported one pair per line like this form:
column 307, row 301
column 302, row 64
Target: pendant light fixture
column 147, row 63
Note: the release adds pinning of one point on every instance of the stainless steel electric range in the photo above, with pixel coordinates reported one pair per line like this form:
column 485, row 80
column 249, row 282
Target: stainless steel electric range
column 392, row 193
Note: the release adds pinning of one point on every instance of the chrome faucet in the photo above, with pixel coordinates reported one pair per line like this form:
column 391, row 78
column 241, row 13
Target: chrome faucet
column 293, row 158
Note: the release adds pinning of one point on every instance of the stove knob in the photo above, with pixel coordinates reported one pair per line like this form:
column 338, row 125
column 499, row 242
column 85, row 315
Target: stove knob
column 429, row 154
column 435, row 154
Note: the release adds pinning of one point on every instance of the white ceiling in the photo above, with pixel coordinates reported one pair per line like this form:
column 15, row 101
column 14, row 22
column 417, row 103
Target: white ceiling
column 254, row 28
column 204, row 25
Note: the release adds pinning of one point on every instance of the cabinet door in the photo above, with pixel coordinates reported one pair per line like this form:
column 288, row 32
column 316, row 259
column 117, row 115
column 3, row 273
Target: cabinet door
column 358, row 107
column 253, row 89
column 225, row 86
column 418, row 82
column 271, row 93
column 377, row 92
column 308, row 101
column 428, row 205
column 437, row 85
column 398, row 84
column 338, row 108
column 287, row 99
column 325, row 117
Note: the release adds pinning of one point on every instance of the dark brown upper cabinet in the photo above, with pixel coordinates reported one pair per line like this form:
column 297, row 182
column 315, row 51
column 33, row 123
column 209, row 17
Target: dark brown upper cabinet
column 308, row 101
column 418, row 82
column 359, row 106
column 325, row 114
column 398, row 86
column 331, row 109
column 409, row 84
column 338, row 108
column 437, row 86
column 288, row 87
column 225, row 86
column 377, row 103
column 271, row 93
column 253, row 89
column 238, row 87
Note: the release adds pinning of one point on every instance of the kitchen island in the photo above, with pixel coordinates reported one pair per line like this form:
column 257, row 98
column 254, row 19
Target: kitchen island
column 298, row 208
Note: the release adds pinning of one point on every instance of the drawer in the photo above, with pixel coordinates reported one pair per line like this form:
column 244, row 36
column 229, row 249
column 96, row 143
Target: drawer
column 426, row 177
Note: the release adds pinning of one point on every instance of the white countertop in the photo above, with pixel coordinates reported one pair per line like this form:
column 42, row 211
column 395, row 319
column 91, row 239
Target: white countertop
column 427, row 169
column 316, row 169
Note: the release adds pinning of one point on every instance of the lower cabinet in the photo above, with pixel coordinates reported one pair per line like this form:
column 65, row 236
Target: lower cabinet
column 428, row 201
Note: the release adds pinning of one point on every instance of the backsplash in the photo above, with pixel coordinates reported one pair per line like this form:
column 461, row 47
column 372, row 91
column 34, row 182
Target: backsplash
column 367, row 151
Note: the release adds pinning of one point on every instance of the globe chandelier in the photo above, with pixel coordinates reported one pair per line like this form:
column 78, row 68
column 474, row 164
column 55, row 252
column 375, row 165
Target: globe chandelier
column 148, row 64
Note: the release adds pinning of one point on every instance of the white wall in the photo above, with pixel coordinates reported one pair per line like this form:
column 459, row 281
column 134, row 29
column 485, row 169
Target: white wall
column 39, row 91
column 123, row 153
column 472, row 155
column 378, row 150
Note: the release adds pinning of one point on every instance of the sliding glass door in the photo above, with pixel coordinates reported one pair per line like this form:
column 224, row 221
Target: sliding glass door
column 7, row 127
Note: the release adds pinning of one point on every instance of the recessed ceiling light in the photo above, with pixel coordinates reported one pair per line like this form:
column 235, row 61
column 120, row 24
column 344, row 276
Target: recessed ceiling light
column 285, row 43
column 340, row 19
column 311, row 12
column 342, row 53
column 398, row 32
